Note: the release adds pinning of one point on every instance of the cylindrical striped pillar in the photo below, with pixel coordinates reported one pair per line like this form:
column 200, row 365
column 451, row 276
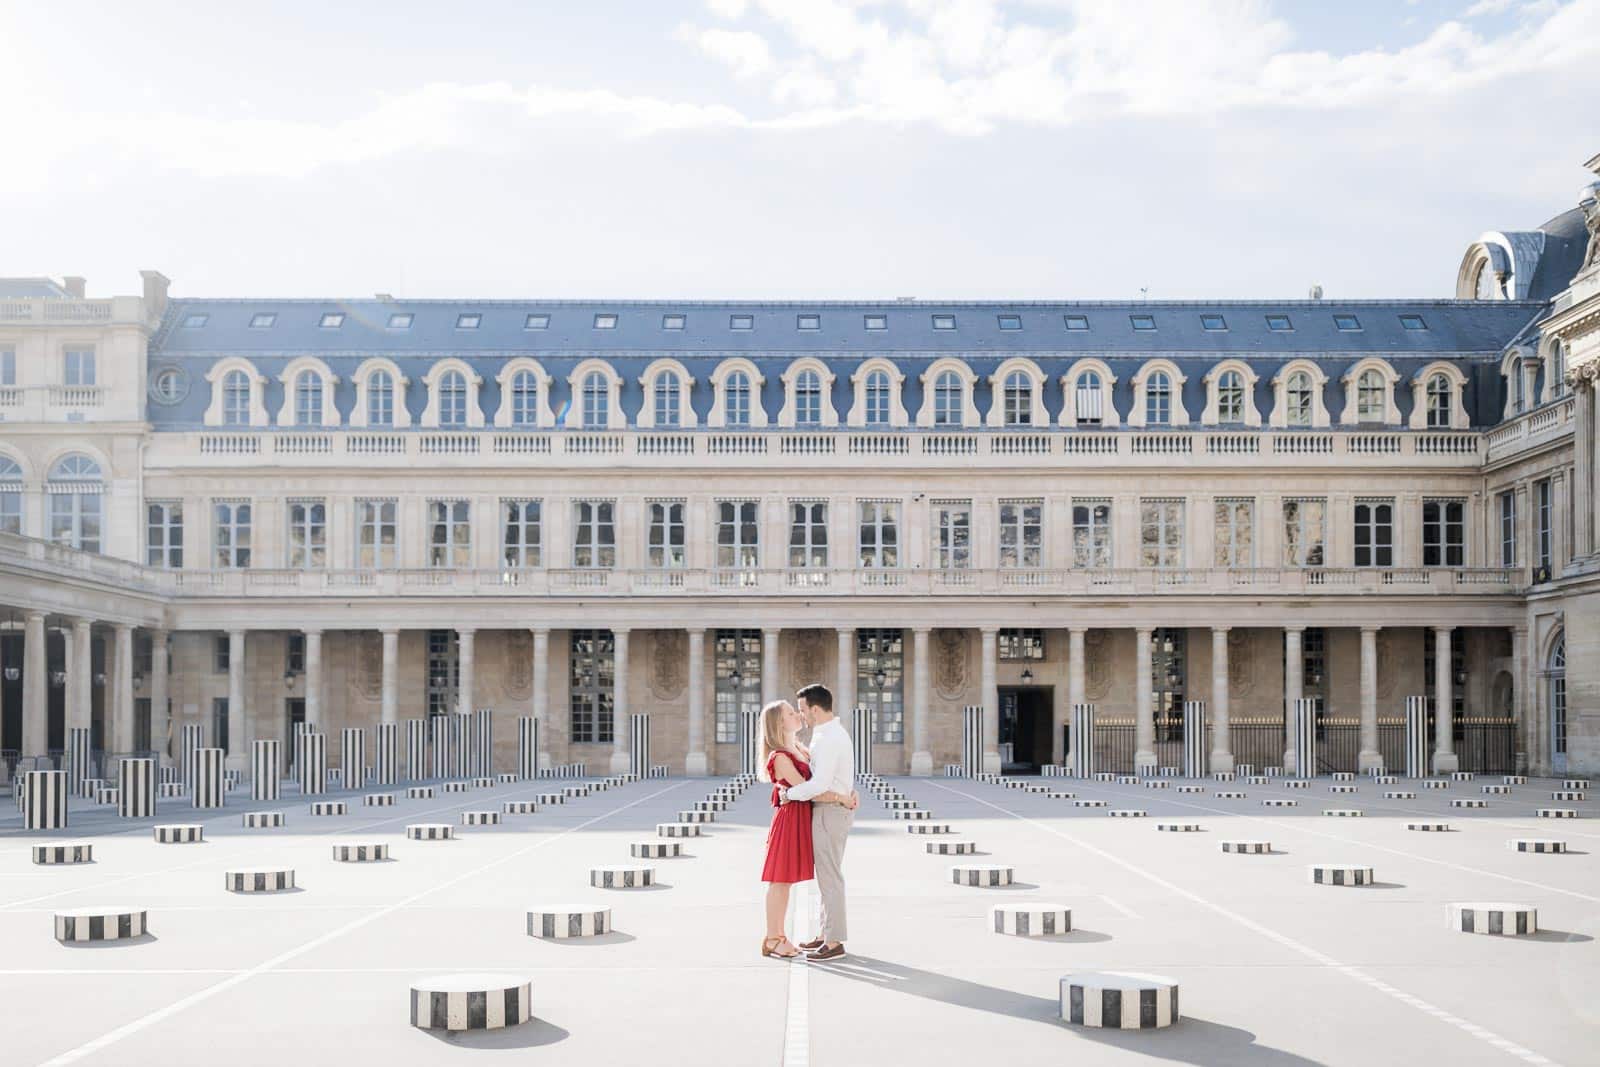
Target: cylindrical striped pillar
column 639, row 737
column 312, row 767
column 353, row 757
column 527, row 747
column 1305, row 736
column 458, row 744
column 44, row 800
column 749, row 733
column 1081, row 764
column 266, row 757
column 469, row 744
column 861, row 736
column 192, row 740
column 388, row 753
column 77, row 760
column 209, row 786
column 416, row 749
column 971, row 740
column 483, row 742
column 439, row 746
column 136, row 787
column 1416, row 737
column 1194, row 739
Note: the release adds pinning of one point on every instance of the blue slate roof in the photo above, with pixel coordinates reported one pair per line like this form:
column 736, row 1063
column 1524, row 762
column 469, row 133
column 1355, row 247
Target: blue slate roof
column 23, row 288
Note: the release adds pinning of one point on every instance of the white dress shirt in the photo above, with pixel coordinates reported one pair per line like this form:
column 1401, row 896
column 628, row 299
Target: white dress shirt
column 833, row 763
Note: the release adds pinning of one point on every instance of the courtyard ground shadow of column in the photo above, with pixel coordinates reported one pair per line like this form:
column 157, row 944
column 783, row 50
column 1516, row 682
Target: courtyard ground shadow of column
column 1191, row 1040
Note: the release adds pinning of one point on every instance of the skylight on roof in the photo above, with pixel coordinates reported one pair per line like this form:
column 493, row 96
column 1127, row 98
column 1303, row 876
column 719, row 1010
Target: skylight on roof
column 808, row 322
column 195, row 321
column 672, row 322
column 1077, row 322
column 537, row 320
column 1346, row 323
column 468, row 320
column 1413, row 322
column 331, row 320
column 605, row 321
column 263, row 320
column 1213, row 322
column 944, row 322
column 400, row 320
column 741, row 322
column 1279, row 323
column 876, row 322
column 1010, row 322
column 1143, row 322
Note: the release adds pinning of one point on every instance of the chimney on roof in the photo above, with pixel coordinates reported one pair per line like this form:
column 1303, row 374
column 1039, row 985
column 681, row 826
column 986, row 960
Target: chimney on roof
column 1316, row 292
column 387, row 298
column 155, row 292
column 73, row 285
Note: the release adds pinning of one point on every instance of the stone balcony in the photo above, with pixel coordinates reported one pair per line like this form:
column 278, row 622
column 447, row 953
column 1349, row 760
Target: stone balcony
column 1529, row 431
column 53, row 311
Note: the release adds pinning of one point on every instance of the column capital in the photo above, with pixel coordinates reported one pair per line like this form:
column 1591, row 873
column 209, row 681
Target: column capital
column 388, row 630
column 1077, row 630
column 537, row 630
column 1519, row 631
column 122, row 627
column 237, row 631
column 31, row 615
column 1144, row 631
column 81, row 622
column 773, row 630
column 621, row 632
column 466, row 631
column 989, row 631
column 1221, row 629
column 1370, row 629
column 1443, row 631
column 1295, row 629
column 311, row 631
column 922, row 629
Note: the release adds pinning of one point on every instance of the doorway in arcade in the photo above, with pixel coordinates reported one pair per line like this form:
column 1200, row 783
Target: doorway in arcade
column 1026, row 735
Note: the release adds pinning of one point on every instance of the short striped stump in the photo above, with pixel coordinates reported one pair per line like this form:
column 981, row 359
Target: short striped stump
column 1157, row 783
column 1514, row 779
column 711, row 805
column 329, row 807
column 1088, row 803
column 575, row 790
column 900, row 805
column 918, row 813
column 1230, row 794
column 927, row 828
column 456, row 787
column 107, row 794
column 1126, row 813
column 1127, row 779
column 258, row 879
column 598, row 787
column 168, row 790
column 519, row 807
column 1222, row 776
column 655, row 850
column 1343, row 776
column 1568, row 794
column 558, row 924
column 1251, row 848
column 1113, row 1001
column 506, row 778
column 1574, row 783
column 1557, row 813
column 1340, row 874
column 697, row 816
column 1468, row 802
column 551, row 798
column 1429, row 827
column 950, row 848
column 622, row 877
column 1386, row 779
column 1037, row 787
column 483, row 783
column 430, row 831
column 100, row 922
column 1031, row 920
column 1461, row 776
column 1495, row 790
column 419, row 792
column 1257, row 779
column 1532, row 844
column 1296, row 783
column 981, row 874
column 1434, row 783
column 1279, row 802
column 677, row 829
column 1343, row 813
column 1179, row 827
column 1104, row 776
column 1505, row 920
column 1399, row 794
column 1344, row 789
column 1014, row 783
column 1063, row 795
column 263, row 820
column 360, row 851
column 378, row 800
column 1191, row 789
column 76, row 852
column 480, row 818
column 179, row 833
column 460, row 1002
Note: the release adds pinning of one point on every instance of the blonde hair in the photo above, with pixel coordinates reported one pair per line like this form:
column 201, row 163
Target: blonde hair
column 773, row 736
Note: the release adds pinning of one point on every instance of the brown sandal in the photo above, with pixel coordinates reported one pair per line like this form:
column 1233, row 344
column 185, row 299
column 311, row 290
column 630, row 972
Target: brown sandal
column 768, row 944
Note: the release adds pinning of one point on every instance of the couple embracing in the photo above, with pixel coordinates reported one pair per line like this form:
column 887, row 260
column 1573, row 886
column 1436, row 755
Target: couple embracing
column 813, row 789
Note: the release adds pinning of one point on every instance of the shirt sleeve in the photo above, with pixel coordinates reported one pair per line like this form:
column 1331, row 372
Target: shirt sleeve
column 822, row 760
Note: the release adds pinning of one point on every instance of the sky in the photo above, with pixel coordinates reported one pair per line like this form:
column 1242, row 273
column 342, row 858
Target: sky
column 788, row 149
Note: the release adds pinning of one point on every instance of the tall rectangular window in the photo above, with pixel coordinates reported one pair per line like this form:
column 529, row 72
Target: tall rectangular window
column 952, row 534
column 879, row 533
column 1545, row 526
column 1374, row 533
column 808, row 534
column 1020, row 644
column 79, row 369
column 1314, row 662
column 1444, row 533
column 1091, row 534
column 8, row 366
column 665, row 542
column 520, row 532
column 294, row 653
column 738, row 537
column 219, row 722
column 593, row 686
column 11, row 489
column 880, row 682
column 1508, row 528
column 221, row 653
column 450, row 533
column 1235, row 537
column 1022, row 533
column 230, row 533
column 594, row 542
column 444, row 668
column 738, row 680
column 1304, row 532
column 1161, row 533
column 164, row 534
column 307, row 543
column 1169, row 679
column 377, row 534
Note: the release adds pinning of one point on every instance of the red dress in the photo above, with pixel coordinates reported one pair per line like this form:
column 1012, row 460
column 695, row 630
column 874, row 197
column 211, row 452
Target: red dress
column 789, row 840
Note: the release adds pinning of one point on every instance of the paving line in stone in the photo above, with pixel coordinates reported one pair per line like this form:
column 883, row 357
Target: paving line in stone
column 797, row 1014
column 1479, row 1032
column 149, row 1019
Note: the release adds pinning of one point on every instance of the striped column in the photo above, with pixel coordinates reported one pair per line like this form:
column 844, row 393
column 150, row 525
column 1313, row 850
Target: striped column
column 469, row 745
column 210, row 784
column 861, row 735
column 1416, row 737
column 439, row 746
column 44, row 804
column 136, row 788
column 1194, row 739
column 456, row 745
column 639, row 737
column 1305, row 737
column 353, row 757
column 749, row 732
column 192, row 740
column 971, row 740
column 77, row 759
column 483, row 742
column 312, row 766
column 1081, row 763
column 388, row 753
column 527, row 747
column 266, row 757
column 416, row 749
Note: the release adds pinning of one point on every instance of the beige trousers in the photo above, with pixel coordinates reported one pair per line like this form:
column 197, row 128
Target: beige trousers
column 830, row 825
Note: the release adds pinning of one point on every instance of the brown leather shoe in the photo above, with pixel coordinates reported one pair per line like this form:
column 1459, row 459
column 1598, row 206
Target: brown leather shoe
column 813, row 944
column 825, row 954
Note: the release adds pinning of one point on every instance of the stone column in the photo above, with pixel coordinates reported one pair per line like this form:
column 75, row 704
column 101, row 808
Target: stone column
column 1444, row 746
column 1076, row 678
column 466, row 642
column 541, row 691
column 35, row 686
column 122, row 689
column 238, row 743
column 1144, row 722
column 389, row 710
column 1370, row 755
column 79, row 708
column 844, row 690
column 1294, row 665
column 1221, row 740
column 160, row 718
column 695, row 762
column 314, row 680
column 1583, row 468
column 769, row 664
column 1519, row 703
column 991, row 700
column 620, row 763
column 921, row 756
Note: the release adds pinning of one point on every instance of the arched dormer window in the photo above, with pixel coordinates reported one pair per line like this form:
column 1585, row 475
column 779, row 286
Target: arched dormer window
column 949, row 397
column 1555, row 377
column 307, row 394
column 596, row 410
column 524, row 395
column 947, row 387
column 1438, row 398
column 807, row 386
column 1086, row 395
column 308, row 399
column 877, row 395
column 1018, row 400
column 1297, row 397
column 452, row 400
column 1297, row 390
column 1230, row 395
column 1158, row 399
column 236, row 398
column 736, row 396
column 808, row 399
column 667, row 387
column 1439, row 402
column 380, row 395
column 380, row 399
column 74, row 488
column 1158, row 395
column 452, row 389
column 877, row 398
column 736, row 400
column 594, row 402
column 1369, row 394
column 1369, row 397
column 238, row 394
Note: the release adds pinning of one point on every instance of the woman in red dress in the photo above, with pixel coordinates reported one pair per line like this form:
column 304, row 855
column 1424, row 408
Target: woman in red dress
column 785, row 761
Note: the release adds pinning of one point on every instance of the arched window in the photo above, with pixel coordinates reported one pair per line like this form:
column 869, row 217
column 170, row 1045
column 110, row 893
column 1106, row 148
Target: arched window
column 1089, row 399
column 1439, row 402
column 1557, row 374
column 453, row 399
column 74, row 488
column 1158, row 399
column 1297, row 397
column 236, row 399
column 736, row 399
column 1519, row 388
column 596, row 402
column 1369, row 396
column 668, row 401
column 10, row 496
column 948, row 399
column 878, row 398
column 1484, row 285
column 380, row 399
column 1230, row 397
column 1556, row 676
column 1018, row 399
column 807, row 399
column 524, row 398
column 308, row 399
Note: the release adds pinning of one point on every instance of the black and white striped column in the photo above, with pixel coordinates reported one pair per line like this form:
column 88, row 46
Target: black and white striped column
column 1119, row 1001
column 1303, row 735
column 861, row 737
column 44, row 800
column 416, row 749
column 1080, row 761
column 455, row 1002
column 1507, row 920
column 101, row 923
column 1416, row 737
column 353, row 757
column 639, row 739
column 312, row 764
column 456, row 744
column 439, row 746
column 1194, row 739
column 1031, row 920
column 77, row 760
column 136, row 787
column 553, row 923
column 527, row 747
column 387, row 764
column 266, row 756
column 483, row 741
column 193, row 739
column 971, row 740
column 749, row 738
column 209, row 786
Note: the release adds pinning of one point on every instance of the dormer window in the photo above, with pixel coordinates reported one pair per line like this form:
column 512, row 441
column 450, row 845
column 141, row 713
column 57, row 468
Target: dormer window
column 605, row 321
column 537, row 320
column 1010, row 322
column 195, row 321
column 876, row 322
column 1143, row 323
column 808, row 322
column 1346, row 323
column 741, row 322
column 944, row 322
column 1279, row 323
column 468, row 320
column 331, row 320
column 263, row 320
column 1213, row 323
column 1077, row 323
column 400, row 320
column 672, row 322
column 1413, row 322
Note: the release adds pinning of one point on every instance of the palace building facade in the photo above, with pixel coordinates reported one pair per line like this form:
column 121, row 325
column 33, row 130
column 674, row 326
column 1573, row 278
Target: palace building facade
column 251, row 513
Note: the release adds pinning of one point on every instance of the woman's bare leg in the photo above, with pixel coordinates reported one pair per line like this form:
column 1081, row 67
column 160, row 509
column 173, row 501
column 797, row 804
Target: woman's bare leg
column 777, row 907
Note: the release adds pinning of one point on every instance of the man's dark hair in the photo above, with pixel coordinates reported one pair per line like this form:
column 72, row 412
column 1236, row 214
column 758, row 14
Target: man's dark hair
column 816, row 694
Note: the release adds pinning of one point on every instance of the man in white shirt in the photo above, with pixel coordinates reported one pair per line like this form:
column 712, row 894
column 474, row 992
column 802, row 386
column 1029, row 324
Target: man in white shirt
column 833, row 769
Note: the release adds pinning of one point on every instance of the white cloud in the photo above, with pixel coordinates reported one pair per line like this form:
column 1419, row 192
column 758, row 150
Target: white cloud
column 728, row 9
column 743, row 52
column 1487, row 7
